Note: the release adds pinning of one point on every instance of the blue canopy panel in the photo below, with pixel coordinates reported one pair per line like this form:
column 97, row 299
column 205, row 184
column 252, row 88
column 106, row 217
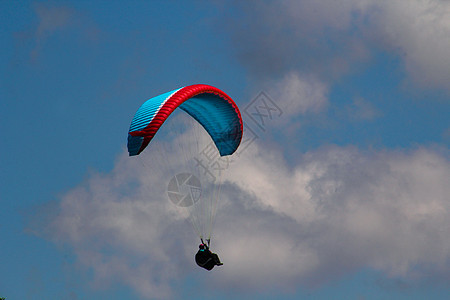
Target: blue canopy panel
column 218, row 119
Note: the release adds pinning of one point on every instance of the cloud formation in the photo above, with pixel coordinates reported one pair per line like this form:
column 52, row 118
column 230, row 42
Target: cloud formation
column 339, row 210
column 419, row 30
column 350, row 209
column 330, row 38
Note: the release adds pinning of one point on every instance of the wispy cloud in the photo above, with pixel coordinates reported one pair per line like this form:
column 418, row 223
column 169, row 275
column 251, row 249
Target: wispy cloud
column 54, row 19
column 362, row 110
column 298, row 95
column 50, row 20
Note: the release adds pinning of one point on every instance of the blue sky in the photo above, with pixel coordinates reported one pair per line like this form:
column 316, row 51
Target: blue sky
column 342, row 194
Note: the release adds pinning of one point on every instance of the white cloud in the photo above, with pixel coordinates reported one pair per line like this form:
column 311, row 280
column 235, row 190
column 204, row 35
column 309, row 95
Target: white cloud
column 346, row 210
column 286, row 101
column 299, row 95
column 420, row 30
column 329, row 38
column 338, row 210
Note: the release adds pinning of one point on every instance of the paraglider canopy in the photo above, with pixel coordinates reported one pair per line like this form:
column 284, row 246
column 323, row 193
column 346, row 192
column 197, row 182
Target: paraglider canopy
column 211, row 107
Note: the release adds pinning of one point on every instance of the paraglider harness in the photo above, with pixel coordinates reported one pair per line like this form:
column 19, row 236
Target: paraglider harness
column 205, row 258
